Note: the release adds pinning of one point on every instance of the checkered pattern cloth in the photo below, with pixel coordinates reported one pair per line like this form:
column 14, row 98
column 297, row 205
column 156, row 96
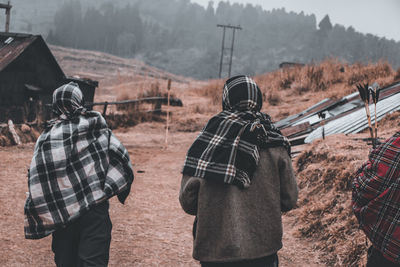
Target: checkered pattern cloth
column 227, row 149
column 77, row 163
column 68, row 101
column 376, row 198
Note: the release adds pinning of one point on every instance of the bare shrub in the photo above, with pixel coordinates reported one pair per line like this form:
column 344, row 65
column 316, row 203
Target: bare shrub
column 287, row 79
column 369, row 73
column 213, row 90
column 315, row 78
column 300, row 89
column 197, row 109
column 153, row 91
column 273, row 98
column 357, row 78
column 397, row 76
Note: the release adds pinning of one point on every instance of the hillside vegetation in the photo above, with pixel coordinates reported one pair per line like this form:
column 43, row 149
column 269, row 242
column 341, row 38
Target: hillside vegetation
column 181, row 37
column 291, row 90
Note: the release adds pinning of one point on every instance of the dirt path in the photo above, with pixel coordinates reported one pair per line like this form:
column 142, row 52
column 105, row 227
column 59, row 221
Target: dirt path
column 150, row 230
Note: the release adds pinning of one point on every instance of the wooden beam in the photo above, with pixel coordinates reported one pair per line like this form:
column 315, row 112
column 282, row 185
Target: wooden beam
column 7, row 7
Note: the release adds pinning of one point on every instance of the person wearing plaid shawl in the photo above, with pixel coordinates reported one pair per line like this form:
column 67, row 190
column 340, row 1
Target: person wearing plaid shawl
column 77, row 165
column 376, row 202
column 237, row 178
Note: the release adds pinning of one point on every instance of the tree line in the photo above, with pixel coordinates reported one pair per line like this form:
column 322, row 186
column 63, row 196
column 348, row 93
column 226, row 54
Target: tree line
column 182, row 37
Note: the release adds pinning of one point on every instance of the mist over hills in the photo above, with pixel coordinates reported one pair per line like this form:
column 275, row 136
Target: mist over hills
column 181, row 37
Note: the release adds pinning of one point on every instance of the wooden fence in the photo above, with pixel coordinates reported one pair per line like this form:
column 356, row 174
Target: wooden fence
column 158, row 101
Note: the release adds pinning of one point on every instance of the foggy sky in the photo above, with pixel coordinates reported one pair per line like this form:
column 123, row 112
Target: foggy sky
column 378, row 17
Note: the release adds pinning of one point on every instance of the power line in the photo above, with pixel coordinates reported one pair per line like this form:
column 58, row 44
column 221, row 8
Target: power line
column 223, row 48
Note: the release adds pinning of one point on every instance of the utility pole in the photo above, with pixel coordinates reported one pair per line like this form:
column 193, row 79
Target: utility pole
column 234, row 28
column 7, row 7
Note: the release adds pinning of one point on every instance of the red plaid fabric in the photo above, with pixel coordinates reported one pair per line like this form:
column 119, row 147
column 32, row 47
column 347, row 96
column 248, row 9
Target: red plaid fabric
column 376, row 198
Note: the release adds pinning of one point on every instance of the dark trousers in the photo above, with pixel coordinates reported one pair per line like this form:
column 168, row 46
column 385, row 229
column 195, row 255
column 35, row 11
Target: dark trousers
column 86, row 242
column 376, row 259
column 269, row 261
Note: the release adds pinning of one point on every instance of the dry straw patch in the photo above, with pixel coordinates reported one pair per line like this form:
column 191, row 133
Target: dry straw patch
column 289, row 91
column 397, row 75
column 324, row 174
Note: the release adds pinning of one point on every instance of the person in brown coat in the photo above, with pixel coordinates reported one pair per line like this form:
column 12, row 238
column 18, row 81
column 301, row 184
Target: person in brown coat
column 237, row 179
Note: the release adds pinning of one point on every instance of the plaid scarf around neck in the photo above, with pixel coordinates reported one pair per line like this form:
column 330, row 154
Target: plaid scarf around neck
column 376, row 198
column 227, row 149
column 77, row 163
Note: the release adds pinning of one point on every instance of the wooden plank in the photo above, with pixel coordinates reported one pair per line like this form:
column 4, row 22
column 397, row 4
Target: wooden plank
column 163, row 100
column 289, row 131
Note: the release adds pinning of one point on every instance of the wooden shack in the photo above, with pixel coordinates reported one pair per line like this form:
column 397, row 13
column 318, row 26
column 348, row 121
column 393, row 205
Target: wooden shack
column 29, row 73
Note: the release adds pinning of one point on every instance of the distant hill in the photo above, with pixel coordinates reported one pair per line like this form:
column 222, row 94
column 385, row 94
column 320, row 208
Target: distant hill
column 181, row 37
column 116, row 75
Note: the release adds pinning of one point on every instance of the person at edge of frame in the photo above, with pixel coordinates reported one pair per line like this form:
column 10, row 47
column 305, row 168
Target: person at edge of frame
column 376, row 202
column 77, row 165
column 237, row 179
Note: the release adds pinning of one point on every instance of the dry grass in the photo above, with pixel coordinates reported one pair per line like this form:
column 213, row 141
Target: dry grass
column 324, row 173
column 213, row 90
column 324, row 213
column 397, row 76
column 289, row 91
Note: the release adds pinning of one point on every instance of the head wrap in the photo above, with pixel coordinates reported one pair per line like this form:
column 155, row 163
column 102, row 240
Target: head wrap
column 77, row 164
column 68, row 101
column 227, row 149
column 241, row 93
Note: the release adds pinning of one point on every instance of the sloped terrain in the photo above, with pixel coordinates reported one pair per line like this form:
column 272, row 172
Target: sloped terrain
column 151, row 229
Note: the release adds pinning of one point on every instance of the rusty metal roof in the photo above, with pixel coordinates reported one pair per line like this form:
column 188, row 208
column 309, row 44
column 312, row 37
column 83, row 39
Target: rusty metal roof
column 346, row 115
column 12, row 45
column 357, row 121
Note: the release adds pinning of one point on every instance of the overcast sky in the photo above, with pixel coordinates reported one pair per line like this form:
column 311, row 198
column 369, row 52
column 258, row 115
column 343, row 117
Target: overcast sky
column 379, row 17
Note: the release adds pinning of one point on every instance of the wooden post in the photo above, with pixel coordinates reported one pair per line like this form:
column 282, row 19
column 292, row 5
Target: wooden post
column 166, row 129
column 7, row 7
column 8, row 17
column 14, row 134
column 364, row 91
column 322, row 116
column 369, row 123
column 105, row 109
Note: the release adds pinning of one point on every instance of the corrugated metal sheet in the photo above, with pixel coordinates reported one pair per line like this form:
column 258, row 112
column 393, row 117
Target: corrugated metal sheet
column 357, row 121
column 12, row 45
column 294, row 119
column 346, row 115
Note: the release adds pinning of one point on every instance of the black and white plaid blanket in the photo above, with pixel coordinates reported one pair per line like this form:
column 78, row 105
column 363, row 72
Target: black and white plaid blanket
column 227, row 149
column 77, row 163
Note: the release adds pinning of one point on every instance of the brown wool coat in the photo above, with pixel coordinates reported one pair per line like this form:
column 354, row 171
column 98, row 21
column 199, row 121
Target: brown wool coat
column 237, row 224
